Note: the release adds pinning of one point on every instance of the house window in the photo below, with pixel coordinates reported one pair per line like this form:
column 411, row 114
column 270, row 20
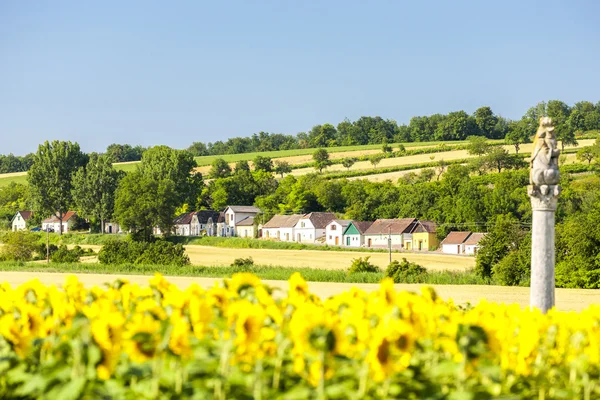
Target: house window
column 329, row 237
column 302, row 225
column 333, row 227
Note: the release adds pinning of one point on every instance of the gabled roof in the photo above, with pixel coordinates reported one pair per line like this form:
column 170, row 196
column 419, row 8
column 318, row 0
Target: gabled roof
column 248, row 221
column 183, row 219
column 319, row 219
column 456, row 238
column 361, row 226
column 425, row 226
column 395, row 226
column 283, row 221
column 474, row 238
column 26, row 215
column 68, row 215
column 244, row 209
column 204, row 215
column 343, row 222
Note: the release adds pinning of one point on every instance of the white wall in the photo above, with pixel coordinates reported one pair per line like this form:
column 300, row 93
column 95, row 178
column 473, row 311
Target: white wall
column 19, row 223
column 355, row 240
column 331, row 234
column 56, row 226
column 382, row 240
column 245, row 231
column 182, row 230
column 471, row 249
column 452, row 248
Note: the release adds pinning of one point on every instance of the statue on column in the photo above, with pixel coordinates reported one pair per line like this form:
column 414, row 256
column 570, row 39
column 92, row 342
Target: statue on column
column 544, row 176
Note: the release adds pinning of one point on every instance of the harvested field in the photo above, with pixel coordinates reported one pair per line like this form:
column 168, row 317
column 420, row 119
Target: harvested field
column 205, row 255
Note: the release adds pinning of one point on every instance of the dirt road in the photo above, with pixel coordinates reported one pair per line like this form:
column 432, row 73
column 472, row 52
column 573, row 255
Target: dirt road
column 566, row 299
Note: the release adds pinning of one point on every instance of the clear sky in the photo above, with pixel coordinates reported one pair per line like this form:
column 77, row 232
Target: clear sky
column 150, row 72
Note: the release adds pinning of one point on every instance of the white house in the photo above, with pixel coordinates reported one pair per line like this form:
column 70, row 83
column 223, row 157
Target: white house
column 182, row 224
column 281, row 227
column 472, row 243
column 334, row 232
column 112, row 227
column 454, row 243
column 311, row 227
column 245, row 228
column 354, row 234
column 19, row 221
column 53, row 222
column 235, row 214
column 204, row 222
column 382, row 230
column 216, row 225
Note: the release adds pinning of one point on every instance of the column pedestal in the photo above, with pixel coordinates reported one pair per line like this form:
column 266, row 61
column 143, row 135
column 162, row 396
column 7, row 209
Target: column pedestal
column 543, row 204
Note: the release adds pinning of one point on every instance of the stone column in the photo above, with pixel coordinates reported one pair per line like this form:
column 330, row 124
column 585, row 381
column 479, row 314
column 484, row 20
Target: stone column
column 543, row 204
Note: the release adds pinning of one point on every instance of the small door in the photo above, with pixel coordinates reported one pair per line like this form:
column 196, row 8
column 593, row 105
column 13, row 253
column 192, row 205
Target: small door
column 110, row 229
column 420, row 245
column 369, row 243
column 337, row 240
column 298, row 238
column 287, row 237
column 348, row 241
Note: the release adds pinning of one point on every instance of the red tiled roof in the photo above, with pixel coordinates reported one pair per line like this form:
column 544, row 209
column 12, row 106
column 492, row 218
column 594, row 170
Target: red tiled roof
column 425, row 226
column 184, row 219
column 474, row 238
column 26, row 215
column 362, row 226
column 248, row 221
column 456, row 238
column 283, row 221
column 395, row 226
column 319, row 219
column 68, row 215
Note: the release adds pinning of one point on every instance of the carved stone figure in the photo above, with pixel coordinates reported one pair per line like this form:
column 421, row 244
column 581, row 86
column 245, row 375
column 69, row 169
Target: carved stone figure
column 544, row 159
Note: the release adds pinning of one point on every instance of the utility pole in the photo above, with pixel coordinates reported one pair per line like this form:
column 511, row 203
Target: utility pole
column 390, row 244
column 47, row 245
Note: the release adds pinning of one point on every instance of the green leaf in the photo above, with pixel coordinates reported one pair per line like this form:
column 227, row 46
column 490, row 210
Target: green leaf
column 71, row 390
column 32, row 386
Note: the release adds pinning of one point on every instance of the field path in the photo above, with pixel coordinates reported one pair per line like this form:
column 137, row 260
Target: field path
column 566, row 299
column 324, row 259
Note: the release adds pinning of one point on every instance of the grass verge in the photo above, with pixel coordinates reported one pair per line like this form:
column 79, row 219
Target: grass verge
column 263, row 272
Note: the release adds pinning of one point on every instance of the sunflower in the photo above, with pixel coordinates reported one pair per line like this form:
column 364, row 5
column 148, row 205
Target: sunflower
column 141, row 337
column 390, row 349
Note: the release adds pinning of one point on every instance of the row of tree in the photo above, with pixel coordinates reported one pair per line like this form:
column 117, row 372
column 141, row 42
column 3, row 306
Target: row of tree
column 458, row 125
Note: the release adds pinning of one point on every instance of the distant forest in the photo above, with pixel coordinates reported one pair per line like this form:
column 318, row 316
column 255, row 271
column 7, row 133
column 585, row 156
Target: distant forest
column 458, row 125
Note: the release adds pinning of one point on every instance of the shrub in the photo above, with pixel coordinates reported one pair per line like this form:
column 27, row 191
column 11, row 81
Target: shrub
column 362, row 265
column 406, row 272
column 163, row 253
column 18, row 246
column 243, row 263
column 160, row 252
column 64, row 255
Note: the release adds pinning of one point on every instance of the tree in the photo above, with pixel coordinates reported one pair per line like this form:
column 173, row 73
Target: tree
column 504, row 236
column 51, row 177
column 386, row 148
column 376, row 159
column 198, row 149
column 141, row 203
column 263, row 164
column 477, row 145
column 242, row 166
column 219, row 169
column 322, row 135
column 163, row 163
column 13, row 197
column 348, row 162
column 321, row 158
column 486, row 121
column 518, row 133
column 498, row 158
column 586, row 153
column 440, row 168
column 94, row 188
column 282, row 167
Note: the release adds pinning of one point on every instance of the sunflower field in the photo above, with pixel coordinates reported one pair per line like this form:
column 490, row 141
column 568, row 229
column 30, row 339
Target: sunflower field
column 241, row 340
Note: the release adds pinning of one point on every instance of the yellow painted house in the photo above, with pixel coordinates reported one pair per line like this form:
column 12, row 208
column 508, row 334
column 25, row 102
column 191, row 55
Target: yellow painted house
column 423, row 237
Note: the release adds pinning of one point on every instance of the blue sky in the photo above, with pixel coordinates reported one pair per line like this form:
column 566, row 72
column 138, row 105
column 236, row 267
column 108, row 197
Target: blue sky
column 149, row 72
